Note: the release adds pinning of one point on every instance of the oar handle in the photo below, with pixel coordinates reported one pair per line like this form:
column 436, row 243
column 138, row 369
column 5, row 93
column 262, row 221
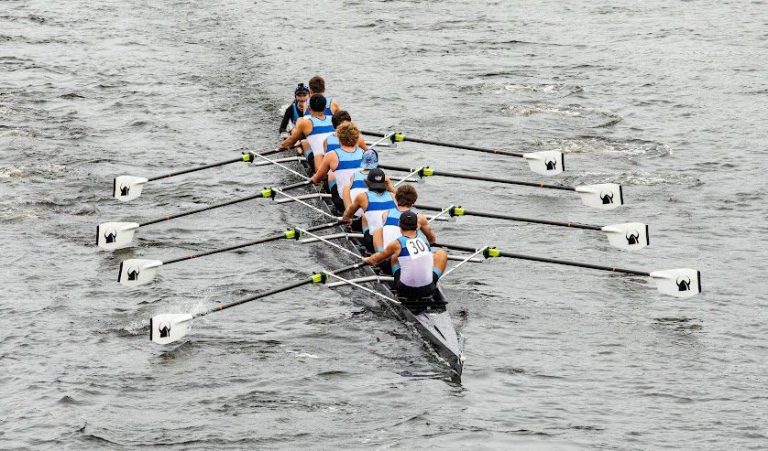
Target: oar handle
column 266, row 192
column 288, row 234
column 245, row 157
column 427, row 171
column 459, row 211
column 493, row 252
column 315, row 278
column 401, row 137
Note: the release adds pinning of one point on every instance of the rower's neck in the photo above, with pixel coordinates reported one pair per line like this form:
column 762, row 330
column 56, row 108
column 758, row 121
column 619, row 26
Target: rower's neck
column 349, row 149
column 319, row 115
column 403, row 208
column 408, row 233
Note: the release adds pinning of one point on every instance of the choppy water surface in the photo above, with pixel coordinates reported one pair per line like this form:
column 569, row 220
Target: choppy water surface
column 666, row 98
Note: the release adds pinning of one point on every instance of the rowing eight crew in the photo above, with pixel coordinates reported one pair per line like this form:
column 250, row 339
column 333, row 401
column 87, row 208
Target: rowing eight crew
column 399, row 236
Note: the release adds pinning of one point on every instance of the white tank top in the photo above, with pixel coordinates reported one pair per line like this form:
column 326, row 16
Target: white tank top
column 358, row 187
column 415, row 262
column 320, row 130
column 377, row 204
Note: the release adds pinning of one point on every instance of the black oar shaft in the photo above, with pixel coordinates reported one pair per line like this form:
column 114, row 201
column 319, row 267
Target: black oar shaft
column 207, row 166
column 477, row 177
column 223, row 204
column 550, row 260
column 482, row 214
column 277, row 290
column 250, row 243
column 451, row 145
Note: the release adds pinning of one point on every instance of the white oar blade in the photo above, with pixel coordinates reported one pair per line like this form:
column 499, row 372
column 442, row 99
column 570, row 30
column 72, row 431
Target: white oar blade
column 127, row 187
column 137, row 271
column 165, row 329
column 115, row 235
column 605, row 196
column 548, row 162
column 680, row 283
column 630, row 236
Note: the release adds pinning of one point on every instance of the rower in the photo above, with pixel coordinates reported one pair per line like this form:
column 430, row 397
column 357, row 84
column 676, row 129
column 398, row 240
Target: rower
column 331, row 141
column 405, row 197
column 415, row 267
column 297, row 109
column 373, row 202
column 343, row 162
column 356, row 185
column 317, row 86
column 315, row 128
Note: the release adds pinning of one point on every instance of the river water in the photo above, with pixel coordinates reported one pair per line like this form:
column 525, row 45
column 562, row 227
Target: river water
column 666, row 98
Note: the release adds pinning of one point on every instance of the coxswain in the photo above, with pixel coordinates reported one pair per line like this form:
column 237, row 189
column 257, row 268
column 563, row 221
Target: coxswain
column 342, row 162
column 315, row 128
column 415, row 267
column 405, row 197
column 299, row 108
column 373, row 202
column 317, row 86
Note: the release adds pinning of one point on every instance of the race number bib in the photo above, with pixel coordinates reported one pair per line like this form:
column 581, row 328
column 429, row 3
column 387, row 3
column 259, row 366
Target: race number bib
column 417, row 249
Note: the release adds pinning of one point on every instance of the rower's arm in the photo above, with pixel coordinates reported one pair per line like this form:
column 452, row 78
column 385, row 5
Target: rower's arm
column 392, row 248
column 347, row 194
column 325, row 166
column 390, row 186
column 361, row 201
column 361, row 143
column 426, row 229
column 300, row 131
column 378, row 238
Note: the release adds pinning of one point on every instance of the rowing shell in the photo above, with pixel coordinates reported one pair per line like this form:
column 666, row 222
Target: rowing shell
column 432, row 321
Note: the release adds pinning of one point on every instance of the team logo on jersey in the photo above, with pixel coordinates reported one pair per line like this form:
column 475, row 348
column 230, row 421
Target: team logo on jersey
column 683, row 285
column 633, row 238
column 164, row 329
column 551, row 165
column 606, row 198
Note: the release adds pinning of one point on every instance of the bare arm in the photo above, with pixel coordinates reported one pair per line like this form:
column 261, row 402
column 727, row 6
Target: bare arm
column 361, row 201
column 361, row 143
column 300, row 131
column 347, row 194
column 390, row 186
column 328, row 160
column 392, row 248
column 426, row 229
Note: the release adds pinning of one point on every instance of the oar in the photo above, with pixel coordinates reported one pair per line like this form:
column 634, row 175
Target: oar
column 547, row 162
column 629, row 236
column 116, row 235
column 139, row 271
column 605, row 196
column 681, row 283
column 168, row 328
column 128, row 187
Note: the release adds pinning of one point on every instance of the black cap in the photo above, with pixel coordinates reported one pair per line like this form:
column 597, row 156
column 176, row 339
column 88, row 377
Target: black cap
column 301, row 89
column 409, row 220
column 376, row 180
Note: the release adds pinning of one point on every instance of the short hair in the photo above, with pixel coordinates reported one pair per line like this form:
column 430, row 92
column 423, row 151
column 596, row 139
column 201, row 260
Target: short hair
column 339, row 117
column 317, row 84
column 406, row 195
column 317, row 103
column 348, row 133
